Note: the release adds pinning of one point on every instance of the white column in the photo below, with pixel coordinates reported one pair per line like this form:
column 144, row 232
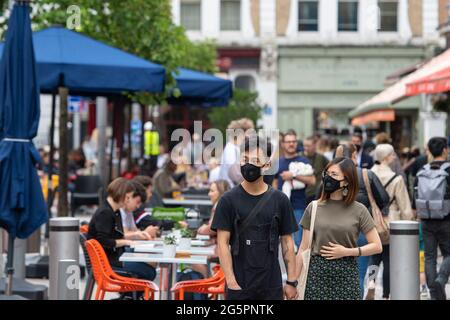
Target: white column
column 430, row 16
column 246, row 19
column 404, row 27
column 434, row 123
column 267, row 18
column 291, row 30
column 102, row 123
column 328, row 11
column 176, row 11
column 210, row 18
column 368, row 20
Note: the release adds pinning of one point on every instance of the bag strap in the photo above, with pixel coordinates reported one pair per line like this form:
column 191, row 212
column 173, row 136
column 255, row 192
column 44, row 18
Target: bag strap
column 368, row 188
column 390, row 180
column 256, row 209
column 313, row 220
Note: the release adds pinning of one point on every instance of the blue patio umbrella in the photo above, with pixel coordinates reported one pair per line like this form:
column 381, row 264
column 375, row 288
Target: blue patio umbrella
column 22, row 205
column 87, row 66
column 201, row 89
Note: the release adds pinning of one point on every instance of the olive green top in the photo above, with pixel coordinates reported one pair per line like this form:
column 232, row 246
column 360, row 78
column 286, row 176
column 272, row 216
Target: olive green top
column 337, row 223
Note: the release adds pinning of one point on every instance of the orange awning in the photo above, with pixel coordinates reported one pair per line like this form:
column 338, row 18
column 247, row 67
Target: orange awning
column 397, row 92
column 377, row 115
column 434, row 83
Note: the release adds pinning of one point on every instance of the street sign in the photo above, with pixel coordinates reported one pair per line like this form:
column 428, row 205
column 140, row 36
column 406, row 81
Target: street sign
column 74, row 105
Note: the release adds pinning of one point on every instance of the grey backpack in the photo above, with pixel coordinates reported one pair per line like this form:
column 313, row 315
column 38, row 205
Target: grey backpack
column 431, row 202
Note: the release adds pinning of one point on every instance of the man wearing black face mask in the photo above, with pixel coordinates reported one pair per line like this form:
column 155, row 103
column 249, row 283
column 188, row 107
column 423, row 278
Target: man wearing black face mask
column 364, row 160
column 252, row 218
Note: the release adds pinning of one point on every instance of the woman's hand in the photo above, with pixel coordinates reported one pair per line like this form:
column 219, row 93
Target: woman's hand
column 334, row 251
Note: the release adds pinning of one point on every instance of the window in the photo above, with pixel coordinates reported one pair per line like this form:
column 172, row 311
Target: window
column 245, row 83
column 308, row 15
column 230, row 15
column 190, row 14
column 388, row 15
column 348, row 15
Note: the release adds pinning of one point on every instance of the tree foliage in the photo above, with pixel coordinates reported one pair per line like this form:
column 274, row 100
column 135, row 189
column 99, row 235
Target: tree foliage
column 244, row 104
column 141, row 27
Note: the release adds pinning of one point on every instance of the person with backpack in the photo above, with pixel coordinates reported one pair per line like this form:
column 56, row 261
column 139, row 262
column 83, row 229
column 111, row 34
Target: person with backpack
column 249, row 220
column 379, row 194
column 399, row 209
column 432, row 204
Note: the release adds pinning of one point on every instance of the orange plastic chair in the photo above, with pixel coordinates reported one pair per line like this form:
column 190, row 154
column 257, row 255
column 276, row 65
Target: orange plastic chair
column 109, row 281
column 214, row 285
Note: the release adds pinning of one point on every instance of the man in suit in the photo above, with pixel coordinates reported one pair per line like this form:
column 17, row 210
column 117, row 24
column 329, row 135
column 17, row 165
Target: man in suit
column 364, row 160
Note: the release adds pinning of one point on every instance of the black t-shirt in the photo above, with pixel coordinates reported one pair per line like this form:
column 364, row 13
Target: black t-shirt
column 106, row 227
column 240, row 202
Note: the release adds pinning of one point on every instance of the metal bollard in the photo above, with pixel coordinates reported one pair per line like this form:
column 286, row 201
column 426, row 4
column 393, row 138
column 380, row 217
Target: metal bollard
column 404, row 260
column 64, row 244
column 20, row 249
column 68, row 280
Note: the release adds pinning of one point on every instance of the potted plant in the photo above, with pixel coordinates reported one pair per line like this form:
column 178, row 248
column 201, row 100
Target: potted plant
column 185, row 241
column 170, row 247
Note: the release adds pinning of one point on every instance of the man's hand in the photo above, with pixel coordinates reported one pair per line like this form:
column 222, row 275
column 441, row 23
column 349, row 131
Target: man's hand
column 286, row 176
column 142, row 235
column 152, row 231
column 290, row 293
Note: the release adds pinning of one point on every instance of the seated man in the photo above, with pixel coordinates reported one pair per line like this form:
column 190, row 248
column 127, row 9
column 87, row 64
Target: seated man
column 129, row 226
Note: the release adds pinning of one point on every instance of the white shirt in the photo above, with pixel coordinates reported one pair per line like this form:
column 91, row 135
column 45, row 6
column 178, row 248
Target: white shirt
column 214, row 174
column 128, row 222
column 230, row 156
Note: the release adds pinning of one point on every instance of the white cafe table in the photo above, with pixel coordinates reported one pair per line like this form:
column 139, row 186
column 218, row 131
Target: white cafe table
column 187, row 202
column 194, row 242
column 151, row 248
column 170, row 263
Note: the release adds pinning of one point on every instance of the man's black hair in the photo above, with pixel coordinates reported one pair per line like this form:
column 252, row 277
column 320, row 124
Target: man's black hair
column 139, row 191
column 437, row 145
column 254, row 142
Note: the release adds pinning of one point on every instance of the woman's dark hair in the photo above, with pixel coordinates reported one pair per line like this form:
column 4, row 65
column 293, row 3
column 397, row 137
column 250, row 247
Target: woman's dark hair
column 436, row 146
column 118, row 189
column 348, row 168
column 345, row 151
column 146, row 181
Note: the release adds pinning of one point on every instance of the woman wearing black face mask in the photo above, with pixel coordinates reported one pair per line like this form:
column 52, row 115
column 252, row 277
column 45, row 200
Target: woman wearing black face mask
column 333, row 270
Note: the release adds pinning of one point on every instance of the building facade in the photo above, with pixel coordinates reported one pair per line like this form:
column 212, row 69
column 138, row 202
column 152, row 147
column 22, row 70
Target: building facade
column 312, row 61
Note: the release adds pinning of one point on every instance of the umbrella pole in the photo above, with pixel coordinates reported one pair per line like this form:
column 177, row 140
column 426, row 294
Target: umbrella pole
column 50, row 168
column 111, row 153
column 10, row 267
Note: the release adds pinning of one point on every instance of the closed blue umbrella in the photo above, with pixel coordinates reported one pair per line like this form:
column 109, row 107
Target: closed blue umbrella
column 22, row 205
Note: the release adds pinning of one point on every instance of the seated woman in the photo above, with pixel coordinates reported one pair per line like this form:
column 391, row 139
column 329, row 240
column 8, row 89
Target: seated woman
column 106, row 227
column 216, row 190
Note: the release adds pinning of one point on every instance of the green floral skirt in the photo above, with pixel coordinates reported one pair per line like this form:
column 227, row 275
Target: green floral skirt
column 333, row 279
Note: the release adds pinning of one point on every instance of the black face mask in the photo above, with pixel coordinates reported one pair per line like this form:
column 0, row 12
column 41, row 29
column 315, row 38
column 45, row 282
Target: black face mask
column 330, row 184
column 358, row 147
column 250, row 172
